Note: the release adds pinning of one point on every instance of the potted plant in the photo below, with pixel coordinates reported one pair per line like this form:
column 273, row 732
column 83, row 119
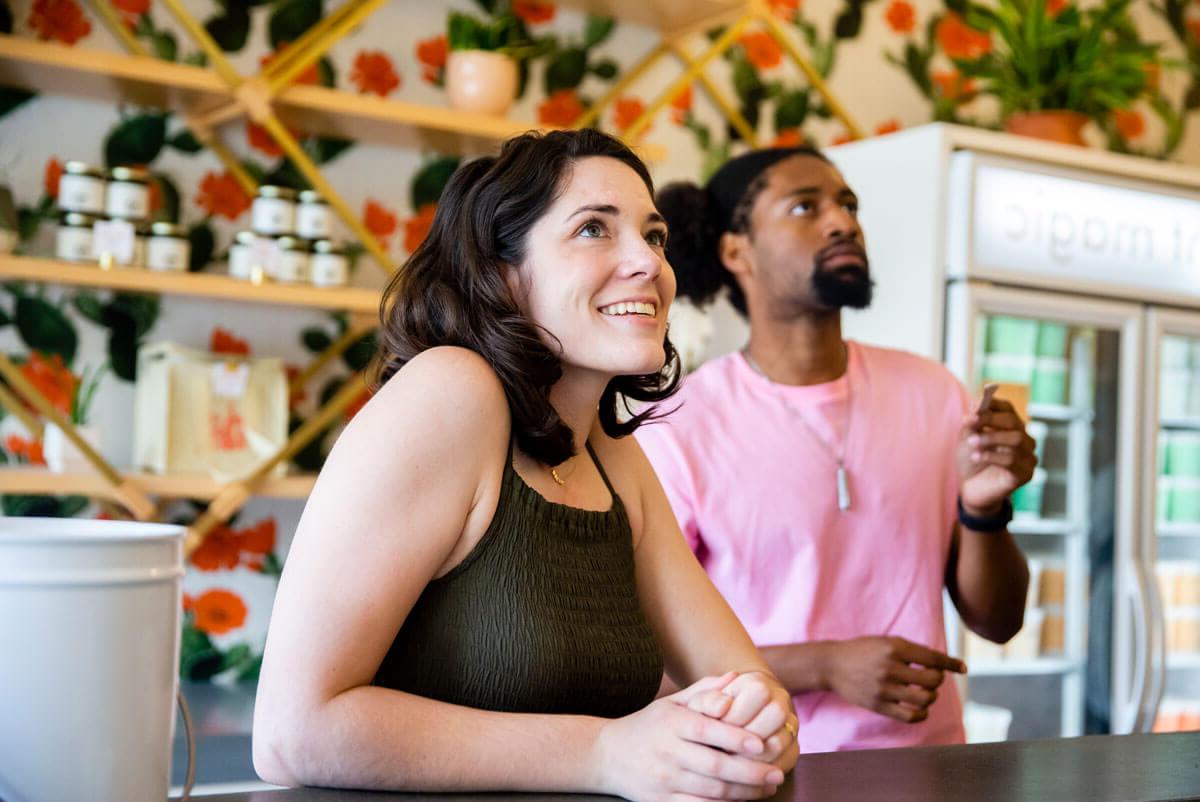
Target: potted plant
column 1054, row 69
column 486, row 60
column 60, row 453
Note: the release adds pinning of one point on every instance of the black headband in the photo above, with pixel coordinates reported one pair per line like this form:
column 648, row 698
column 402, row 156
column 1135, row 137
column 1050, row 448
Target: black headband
column 728, row 185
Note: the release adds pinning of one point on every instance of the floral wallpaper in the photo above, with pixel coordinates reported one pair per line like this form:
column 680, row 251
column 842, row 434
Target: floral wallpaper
column 892, row 63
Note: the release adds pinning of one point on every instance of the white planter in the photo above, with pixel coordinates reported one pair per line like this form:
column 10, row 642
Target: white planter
column 89, row 620
column 61, row 454
column 481, row 81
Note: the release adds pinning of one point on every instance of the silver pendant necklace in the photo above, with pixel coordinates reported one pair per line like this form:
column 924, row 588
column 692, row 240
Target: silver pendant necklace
column 838, row 458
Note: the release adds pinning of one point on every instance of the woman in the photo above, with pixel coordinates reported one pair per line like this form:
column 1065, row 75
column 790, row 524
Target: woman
column 487, row 579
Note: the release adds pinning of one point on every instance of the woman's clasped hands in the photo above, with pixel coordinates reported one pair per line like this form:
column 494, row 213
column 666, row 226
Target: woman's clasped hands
column 727, row 737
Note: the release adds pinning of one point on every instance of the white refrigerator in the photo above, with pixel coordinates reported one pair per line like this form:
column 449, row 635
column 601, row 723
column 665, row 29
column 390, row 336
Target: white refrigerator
column 1073, row 275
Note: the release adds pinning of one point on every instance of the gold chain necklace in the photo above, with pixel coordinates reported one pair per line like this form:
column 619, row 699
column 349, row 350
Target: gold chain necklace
column 839, row 457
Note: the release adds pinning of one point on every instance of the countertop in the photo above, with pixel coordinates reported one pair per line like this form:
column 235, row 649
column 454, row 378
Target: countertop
column 1105, row 768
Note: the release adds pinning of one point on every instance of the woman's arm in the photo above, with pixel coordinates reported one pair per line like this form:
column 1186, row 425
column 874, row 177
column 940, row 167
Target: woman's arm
column 408, row 489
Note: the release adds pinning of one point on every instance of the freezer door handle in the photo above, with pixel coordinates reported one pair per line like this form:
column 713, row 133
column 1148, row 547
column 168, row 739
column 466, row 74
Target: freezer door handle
column 1125, row 715
column 1156, row 657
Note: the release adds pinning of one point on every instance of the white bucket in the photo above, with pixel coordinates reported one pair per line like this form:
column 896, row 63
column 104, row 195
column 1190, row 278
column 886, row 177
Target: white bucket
column 89, row 636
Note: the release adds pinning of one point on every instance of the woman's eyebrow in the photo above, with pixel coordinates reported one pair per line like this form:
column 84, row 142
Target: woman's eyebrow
column 601, row 208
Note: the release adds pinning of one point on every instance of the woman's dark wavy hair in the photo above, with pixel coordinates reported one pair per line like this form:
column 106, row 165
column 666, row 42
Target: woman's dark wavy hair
column 453, row 291
column 695, row 223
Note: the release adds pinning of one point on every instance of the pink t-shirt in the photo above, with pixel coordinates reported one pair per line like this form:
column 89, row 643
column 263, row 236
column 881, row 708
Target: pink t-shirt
column 756, row 497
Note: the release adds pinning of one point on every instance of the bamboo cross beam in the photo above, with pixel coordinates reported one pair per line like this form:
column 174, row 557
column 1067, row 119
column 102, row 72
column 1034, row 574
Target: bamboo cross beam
column 116, row 25
column 14, row 405
column 132, row 497
column 353, row 334
column 297, row 48
column 596, row 109
column 723, row 43
column 216, row 56
column 358, row 11
column 731, row 113
column 235, row 494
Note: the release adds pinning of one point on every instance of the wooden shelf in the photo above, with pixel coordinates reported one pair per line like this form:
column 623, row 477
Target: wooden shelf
column 671, row 16
column 95, row 75
column 202, row 285
column 42, row 481
column 112, row 77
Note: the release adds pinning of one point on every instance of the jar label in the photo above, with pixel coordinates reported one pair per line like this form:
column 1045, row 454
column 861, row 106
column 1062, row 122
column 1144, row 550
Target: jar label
column 113, row 239
column 127, row 199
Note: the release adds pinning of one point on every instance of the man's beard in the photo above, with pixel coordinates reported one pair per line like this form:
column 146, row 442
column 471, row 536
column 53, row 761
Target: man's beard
column 842, row 287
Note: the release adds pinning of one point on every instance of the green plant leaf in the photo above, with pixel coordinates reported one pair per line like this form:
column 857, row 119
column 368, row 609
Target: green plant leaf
column 122, row 353
column 170, row 198
column 236, row 656
column 20, row 506
column 6, row 18
column 291, row 19
column 849, row 23
column 315, row 339
column 566, row 69
column 596, row 30
column 28, row 223
column 310, row 458
column 12, row 98
column 250, row 670
column 185, row 142
column 89, row 306
column 70, row 506
column 286, row 174
column 360, row 354
column 488, row 6
column 136, row 140
column 165, row 45
column 204, row 242
column 230, row 30
column 791, row 110
column 431, row 179
column 324, row 149
column 464, row 32
column 135, row 312
column 5, row 320
column 43, row 327
column 326, row 74
column 605, row 69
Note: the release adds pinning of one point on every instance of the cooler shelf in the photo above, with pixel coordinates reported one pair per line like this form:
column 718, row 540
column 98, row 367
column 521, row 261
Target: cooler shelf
column 1042, row 526
column 1059, row 413
column 1028, row 667
column 1190, row 423
column 1179, row 530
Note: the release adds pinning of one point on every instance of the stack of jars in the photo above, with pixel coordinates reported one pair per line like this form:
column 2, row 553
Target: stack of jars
column 105, row 220
column 291, row 241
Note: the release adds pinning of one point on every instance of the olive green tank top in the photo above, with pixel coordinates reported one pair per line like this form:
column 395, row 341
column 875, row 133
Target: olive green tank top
column 541, row 617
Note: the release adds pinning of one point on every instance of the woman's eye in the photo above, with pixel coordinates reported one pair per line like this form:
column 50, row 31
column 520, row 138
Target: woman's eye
column 592, row 230
column 657, row 238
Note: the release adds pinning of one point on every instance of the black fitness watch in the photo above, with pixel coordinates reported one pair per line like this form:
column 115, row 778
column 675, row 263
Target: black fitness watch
column 990, row 523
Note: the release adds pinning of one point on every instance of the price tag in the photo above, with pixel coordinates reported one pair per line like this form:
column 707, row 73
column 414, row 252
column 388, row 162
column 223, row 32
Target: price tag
column 265, row 254
column 113, row 239
column 229, row 379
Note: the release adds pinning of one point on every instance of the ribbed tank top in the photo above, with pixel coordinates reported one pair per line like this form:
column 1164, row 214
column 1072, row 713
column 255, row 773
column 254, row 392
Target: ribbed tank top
column 542, row 616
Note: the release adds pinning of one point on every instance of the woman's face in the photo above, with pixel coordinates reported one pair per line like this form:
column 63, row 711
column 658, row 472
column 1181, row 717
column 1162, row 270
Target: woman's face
column 595, row 275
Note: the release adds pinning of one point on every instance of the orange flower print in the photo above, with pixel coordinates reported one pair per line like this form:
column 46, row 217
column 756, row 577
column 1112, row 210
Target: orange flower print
column 560, row 109
column 224, row 342
column 131, row 10
column 52, row 378
column 260, row 538
column 788, row 138
column 1055, row 7
column 1130, row 123
column 432, row 55
column 218, row 611
column 222, row 195
column 227, row 432
column 761, row 50
column 958, row 40
column 900, row 16
column 261, row 141
column 61, row 20
column 1194, row 29
column 842, row 138
column 310, row 75
column 1153, row 76
column 625, row 111
column 53, row 175
column 378, row 220
column 297, row 396
column 189, row 603
column 784, row 9
column 374, row 74
column 357, row 404
column 681, row 105
column 225, row 548
column 29, row 451
column 887, row 127
column 533, row 12
column 951, row 84
column 416, row 228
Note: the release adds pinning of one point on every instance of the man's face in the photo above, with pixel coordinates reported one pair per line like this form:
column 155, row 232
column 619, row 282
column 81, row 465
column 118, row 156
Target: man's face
column 805, row 251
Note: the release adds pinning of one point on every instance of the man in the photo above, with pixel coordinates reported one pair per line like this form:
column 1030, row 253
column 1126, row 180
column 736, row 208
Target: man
column 832, row 489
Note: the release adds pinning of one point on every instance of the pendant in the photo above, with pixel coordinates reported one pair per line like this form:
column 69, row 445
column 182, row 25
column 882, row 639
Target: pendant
column 843, row 489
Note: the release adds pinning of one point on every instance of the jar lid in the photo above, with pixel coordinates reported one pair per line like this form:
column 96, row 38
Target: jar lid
column 135, row 175
column 288, row 243
column 78, row 220
column 272, row 191
column 312, row 196
column 245, row 237
column 164, row 229
column 82, row 168
column 328, row 246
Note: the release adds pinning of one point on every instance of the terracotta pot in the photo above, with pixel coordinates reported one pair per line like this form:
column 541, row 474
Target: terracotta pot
column 481, row 81
column 1055, row 126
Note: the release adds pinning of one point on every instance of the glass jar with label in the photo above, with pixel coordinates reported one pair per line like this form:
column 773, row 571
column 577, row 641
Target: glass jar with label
column 328, row 266
column 141, row 244
column 241, row 261
column 274, row 211
column 292, row 267
column 81, row 188
column 127, row 196
column 168, row 247
column 314, row 216
column 73, row 237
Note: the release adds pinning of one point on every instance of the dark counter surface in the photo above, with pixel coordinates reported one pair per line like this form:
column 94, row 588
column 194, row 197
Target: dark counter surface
column 1127, row 768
